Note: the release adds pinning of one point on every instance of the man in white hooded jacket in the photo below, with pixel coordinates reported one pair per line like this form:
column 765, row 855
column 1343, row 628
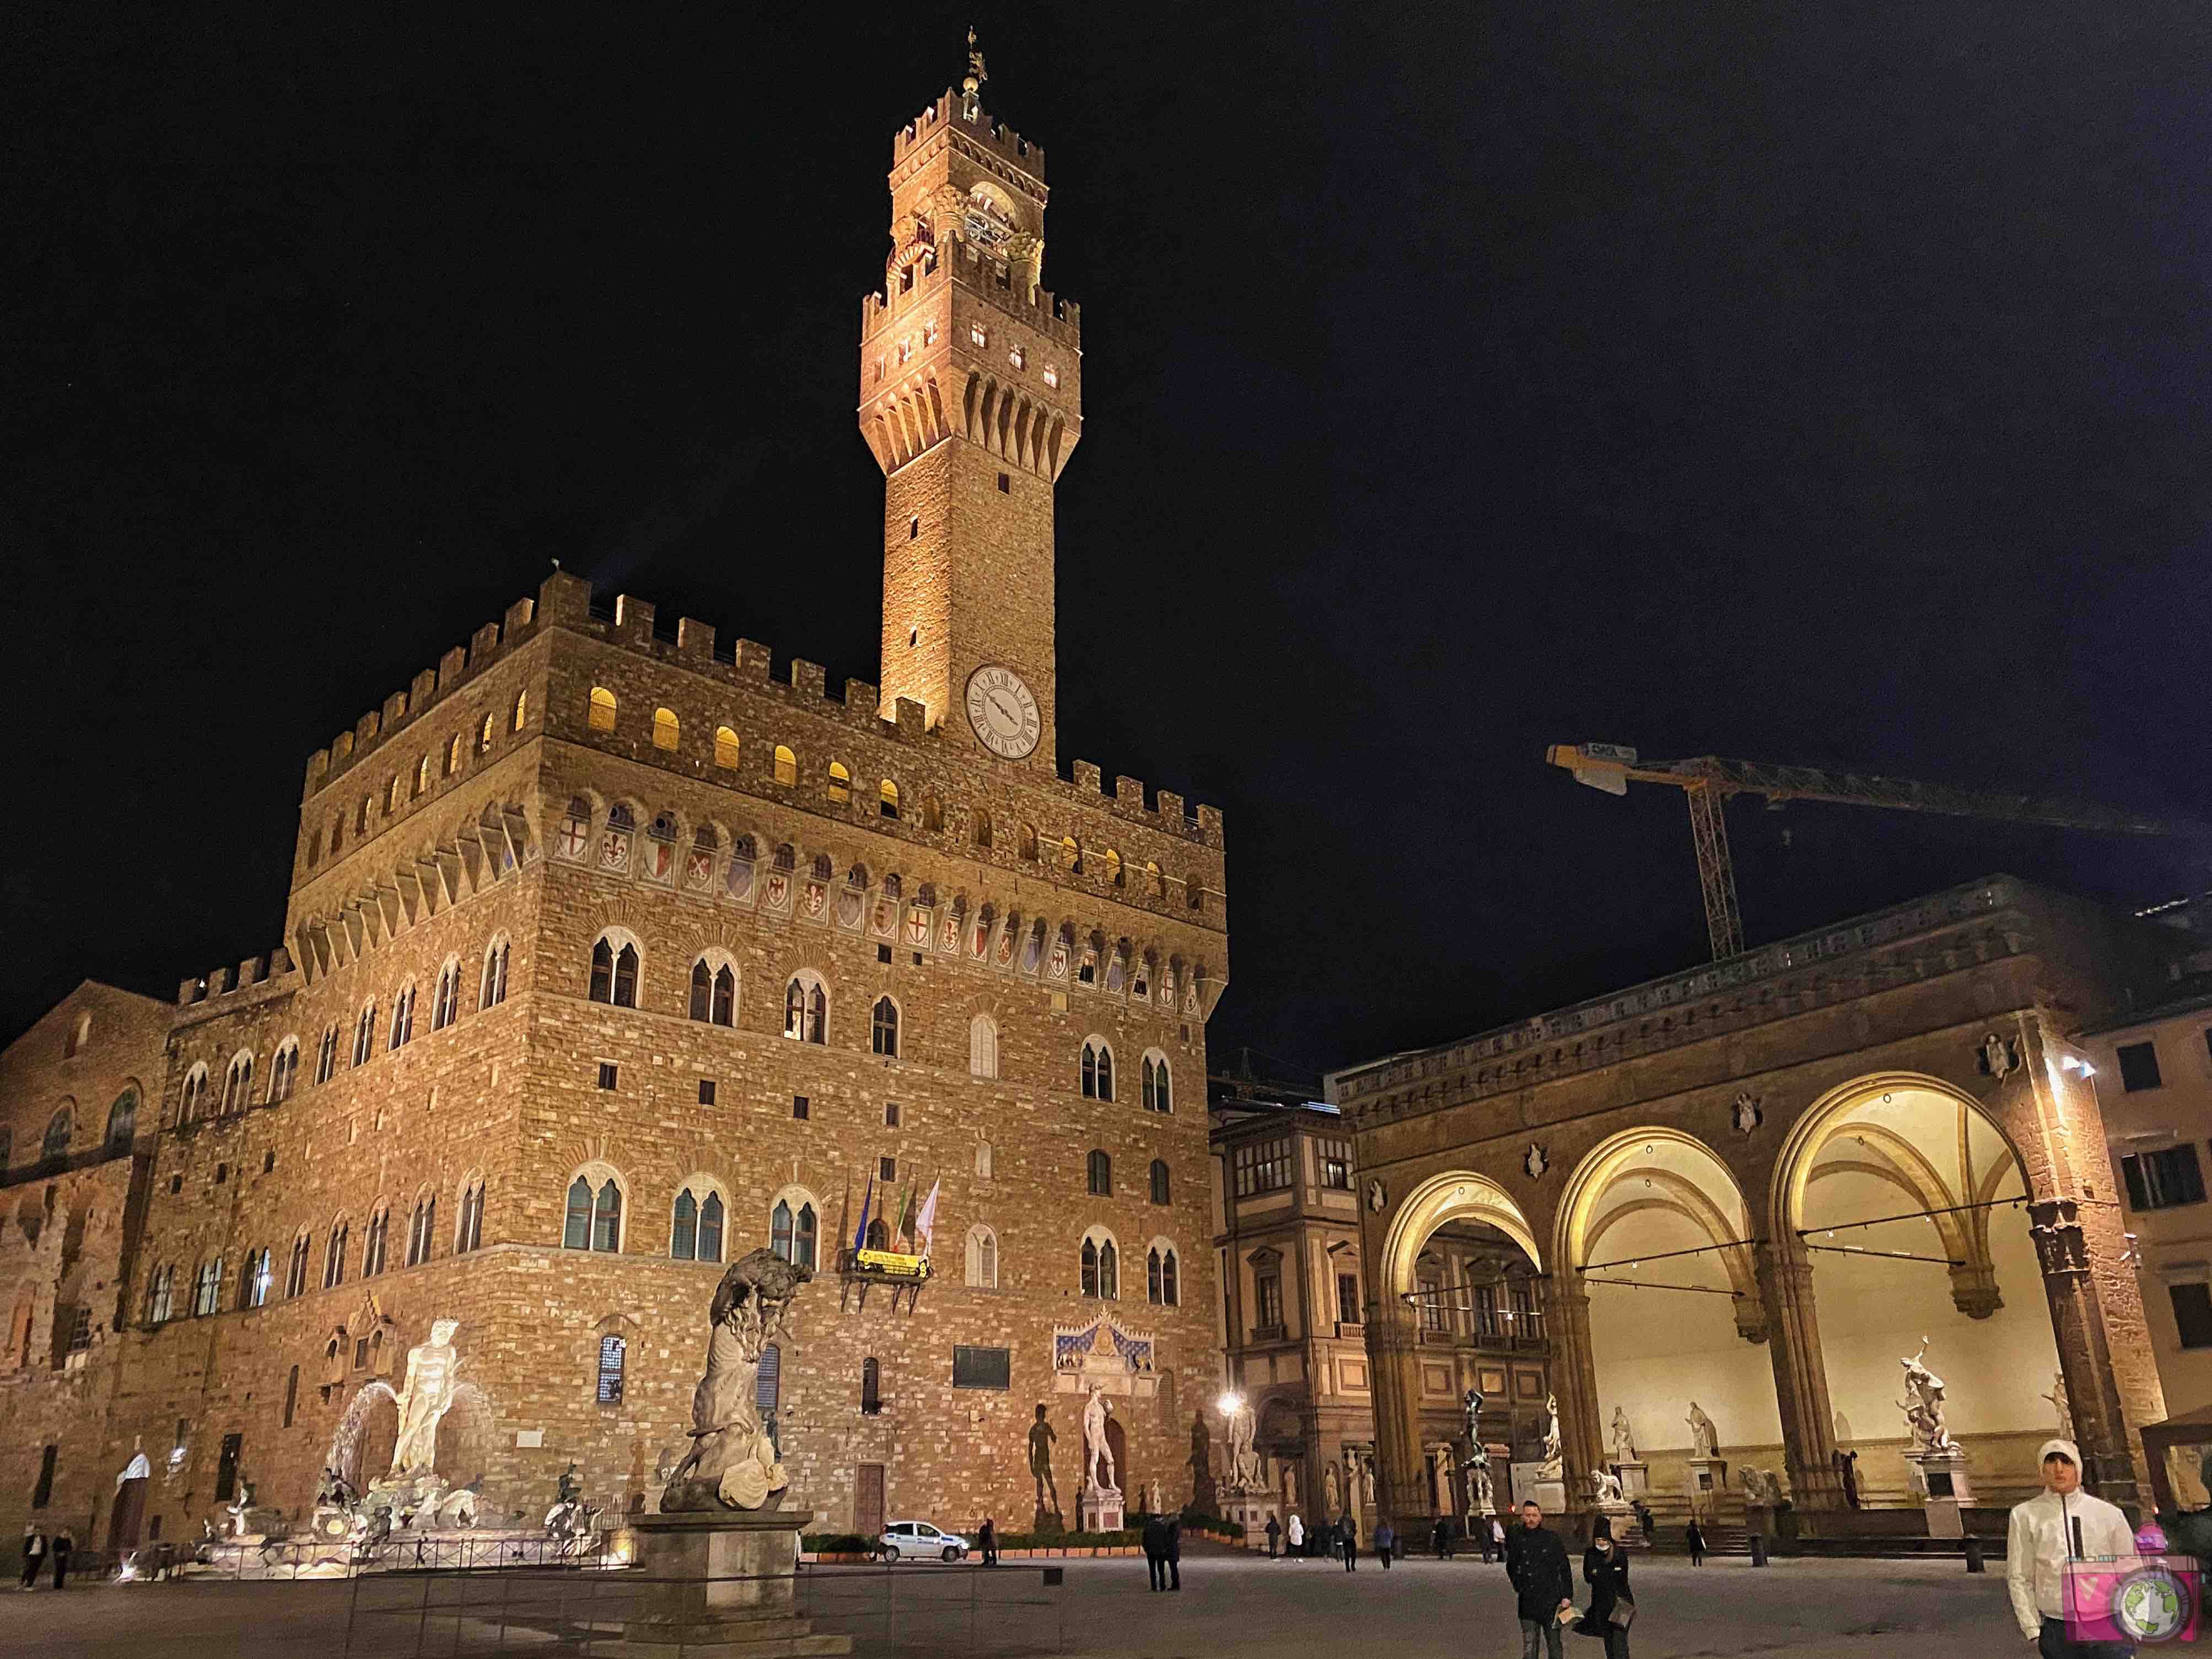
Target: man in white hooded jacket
column 2059, row 1524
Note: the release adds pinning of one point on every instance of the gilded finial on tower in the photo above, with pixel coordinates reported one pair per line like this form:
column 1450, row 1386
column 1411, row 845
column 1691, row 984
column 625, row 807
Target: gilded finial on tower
column 969, row 103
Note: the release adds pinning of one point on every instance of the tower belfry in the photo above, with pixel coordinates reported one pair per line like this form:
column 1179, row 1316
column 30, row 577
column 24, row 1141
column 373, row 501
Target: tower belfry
column 971, row 399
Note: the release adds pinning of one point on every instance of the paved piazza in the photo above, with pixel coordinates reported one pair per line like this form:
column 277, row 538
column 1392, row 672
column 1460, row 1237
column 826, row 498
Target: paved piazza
column 1229, row 1606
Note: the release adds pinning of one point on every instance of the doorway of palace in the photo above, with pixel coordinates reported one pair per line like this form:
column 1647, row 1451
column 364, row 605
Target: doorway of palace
column 868, row 1501
column 1655, row 1232
column 1910, row 1207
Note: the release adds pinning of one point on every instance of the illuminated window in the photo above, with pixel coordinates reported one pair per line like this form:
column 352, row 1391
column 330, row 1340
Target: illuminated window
column 725, row 748
column 521, row 708
column 1051, row 375
column 1113, row 867
column 976, row 335
column 887, row 800
column 453, row 755
column 841, row 782
column 422, row 775
column 1161, row 1286
column 614, row 971
column 1016, row 357
column 392, row 794
column 1158, row 1097
column 665, row 729
column 603, row 709
column 1071, row 854
column 787, row 765
column 982, row 1046
column 1097, row 1069
column 805, row 1008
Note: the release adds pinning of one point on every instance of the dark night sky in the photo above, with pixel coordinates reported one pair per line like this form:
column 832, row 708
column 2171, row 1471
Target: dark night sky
column 1803, row 383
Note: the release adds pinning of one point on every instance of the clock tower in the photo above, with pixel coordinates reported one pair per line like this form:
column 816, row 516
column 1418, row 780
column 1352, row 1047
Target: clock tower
column 971, row 399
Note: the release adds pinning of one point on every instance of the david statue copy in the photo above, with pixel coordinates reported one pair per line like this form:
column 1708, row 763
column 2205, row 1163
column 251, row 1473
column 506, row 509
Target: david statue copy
column 732, row 1464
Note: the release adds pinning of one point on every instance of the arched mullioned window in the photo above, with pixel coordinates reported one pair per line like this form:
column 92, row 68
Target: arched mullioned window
column 334, row 1255
column 793, row 1231
column 603, row 709
column 422, row 1224
column 594, row 1219
column 1159, row 1095
column 714, row 992
column 492, row 989
column 614, row 970
column 60, row 1129
column 1101, row 1266
column 883, row 1028
column 1097, row 1069
column 469, row 1234
column 982, row 1046
column 122, row 1122
column 296, row 1274
column 254, row 1279
column 193, row 1101
column 446, row 999
column 1160, row 1182
column 983, row 1258
column 666, row 729
column 364, row 1035
column 374, row 1238
column 1162, row 1288
column 238, row 1083
column 805, row 1008
column 283, row 1070
column 326, row 1054
column 160, row 1295
column 402, row 1017
column 695, row 1222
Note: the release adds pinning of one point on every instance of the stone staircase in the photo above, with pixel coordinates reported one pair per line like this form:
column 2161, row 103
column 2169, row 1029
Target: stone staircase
column 1721, row 1521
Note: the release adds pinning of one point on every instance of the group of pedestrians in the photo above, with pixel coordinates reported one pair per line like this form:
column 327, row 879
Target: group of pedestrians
column 1339, row 1539
column 1544, row 1588
column 1163, row 1539
column 40, row 1547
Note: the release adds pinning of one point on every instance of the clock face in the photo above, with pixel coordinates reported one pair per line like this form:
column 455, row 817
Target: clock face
column 1004, row 712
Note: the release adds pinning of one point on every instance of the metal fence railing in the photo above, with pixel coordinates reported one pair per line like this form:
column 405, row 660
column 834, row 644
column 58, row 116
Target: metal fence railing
column 912, row 1609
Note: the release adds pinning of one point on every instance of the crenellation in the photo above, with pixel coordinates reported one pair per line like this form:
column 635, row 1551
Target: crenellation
column 908, row 717
column 450, row 667
column 694, row 640
column 1086, row 777
column 752, row 661
column 1171, row 810
column 862, row 698
column 484, row 645
column 395, row 710
column 634, row 618
column 365, row 728
column 809, row 679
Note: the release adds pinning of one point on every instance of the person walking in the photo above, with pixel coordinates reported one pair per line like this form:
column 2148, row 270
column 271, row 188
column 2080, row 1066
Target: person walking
column 34, row 1552
column 1693, row 1536
column 1175, row 1551
column 2059, row 1524
column 1156, row 1550
column 64, row 1543
column 986, row 1539
column 1275, row 1535
column 1347, row 1539
column 1440, row 1538
column 1296, row 1534
column 1605, row 1570
column 1497, row 1538
column 1386, row 1540
column 1544, row 1584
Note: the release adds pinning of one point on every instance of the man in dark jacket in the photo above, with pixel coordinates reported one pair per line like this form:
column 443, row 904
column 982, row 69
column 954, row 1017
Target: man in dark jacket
column 1175, row 1551
column 1536, row 1567
column 1156, row 1550
column 1275, row 1535
column 1347, row 1539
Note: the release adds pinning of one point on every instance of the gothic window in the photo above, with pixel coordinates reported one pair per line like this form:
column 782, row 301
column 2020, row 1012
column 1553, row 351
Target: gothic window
column 887, row 798
column 122, row 1122
column 423, row 775
column 326, row 1054
column 593, row 1221
column 391, row 795
column 364, row 1035
column 334, row 1255
column 666, row 728
column 453, row 755
column 446, row 997
column 614, row 971
column 725, row 748
column 283, row 1070
column 420, row 1225
column 160, row 1292
column 1158, row 1097
column 575, row 828
column 1100, row 1170
column 207, row 1288
column 696, row 1231
column 1160, row 1181
column 787, row 765
column 296, row 1274
column 195, row 1097
column 983, row 1258
column 402, row 1017
column 1101, row 1266
column 493, row 989
column 883, row 1028
column 714, row 993
column 982, row 1046
column 792, row 1232
column 372, row 1244
column 805, row 1008
column 1016, row 357
column 841, row 782
column 468, row 1235
column 489, row 730
column 521, row 708
column 238, row 1085
column 1097, row 1069
column 1161, row 1289
column 603, row 709
column 622, row 829
column 977, row 336
column 254, row 1280
column 661, row 848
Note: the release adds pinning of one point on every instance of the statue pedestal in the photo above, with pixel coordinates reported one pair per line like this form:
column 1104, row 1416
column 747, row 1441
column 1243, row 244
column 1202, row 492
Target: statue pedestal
column 1539, row 1483
column 1707, row 1476
column 719, row 1584
column 1101, row 1509
column 1252, row 1508
column 1941, row 1479
column 1635, row 1477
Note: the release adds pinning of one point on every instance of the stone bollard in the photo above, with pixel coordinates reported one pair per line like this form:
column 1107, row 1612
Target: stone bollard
column 1758, row 1549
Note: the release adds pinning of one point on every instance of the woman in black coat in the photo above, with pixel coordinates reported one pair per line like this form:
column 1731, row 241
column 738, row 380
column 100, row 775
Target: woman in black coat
column 1605, row 1570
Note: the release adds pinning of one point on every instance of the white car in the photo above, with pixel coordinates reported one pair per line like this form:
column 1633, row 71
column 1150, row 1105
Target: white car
column 912, row 1541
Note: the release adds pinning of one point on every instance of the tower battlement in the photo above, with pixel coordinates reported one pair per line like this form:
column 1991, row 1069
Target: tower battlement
column 944, row 116
column 1039, row 308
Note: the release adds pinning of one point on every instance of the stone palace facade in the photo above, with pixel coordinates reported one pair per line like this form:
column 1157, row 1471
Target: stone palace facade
column 609, row 956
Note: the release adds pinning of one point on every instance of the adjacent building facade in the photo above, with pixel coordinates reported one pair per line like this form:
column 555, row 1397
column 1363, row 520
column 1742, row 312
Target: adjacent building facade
column 609, row 956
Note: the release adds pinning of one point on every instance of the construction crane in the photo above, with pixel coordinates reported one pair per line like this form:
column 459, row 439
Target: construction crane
column 1708, row 781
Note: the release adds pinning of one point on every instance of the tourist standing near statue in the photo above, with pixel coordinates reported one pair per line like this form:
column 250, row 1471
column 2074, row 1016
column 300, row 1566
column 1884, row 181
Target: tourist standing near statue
column 1155, row 1537
column 2060, row 1523
column 1694, row 1538
column 1175, row 1551
column 1536, row 1566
